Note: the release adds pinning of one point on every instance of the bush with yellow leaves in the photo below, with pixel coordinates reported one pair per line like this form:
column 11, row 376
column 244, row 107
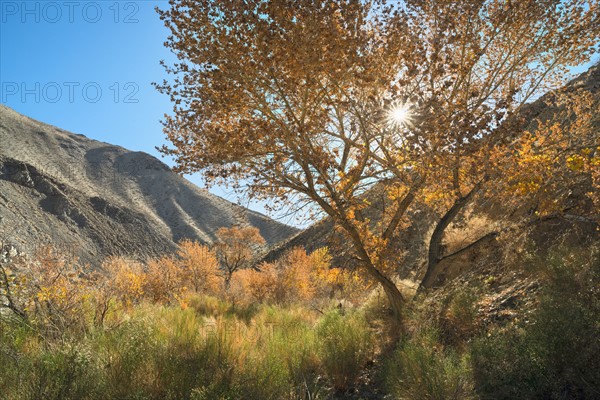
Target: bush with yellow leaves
column 126, row 280
column 251, row 285
column 164, row 280
column 295, row 277
column 48, row 289
column 199, row 268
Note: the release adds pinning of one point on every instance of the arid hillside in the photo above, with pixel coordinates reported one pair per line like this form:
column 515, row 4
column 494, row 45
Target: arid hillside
column 95, row 199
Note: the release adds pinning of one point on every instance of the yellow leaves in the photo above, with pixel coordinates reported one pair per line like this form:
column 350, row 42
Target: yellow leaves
column 54, row 293
column 434, row 196
column 163, row 280
column 291, row 103
column 296, row 277
column 576, row 163
column 296, row 274
column 126, row 278
column 558, row 153
column 351, row 215
column 396, row 192
column 199, row 268
column 526, row 187
column 249, row 285
column 46, row 288
column 332, row 276
column 587, row 152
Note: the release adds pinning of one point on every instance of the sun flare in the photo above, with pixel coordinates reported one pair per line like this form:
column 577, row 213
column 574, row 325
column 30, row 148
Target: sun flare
column 399, row 115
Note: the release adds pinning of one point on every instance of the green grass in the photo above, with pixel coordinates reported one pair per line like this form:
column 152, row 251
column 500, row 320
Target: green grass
column 166, row 352
column 421, row 368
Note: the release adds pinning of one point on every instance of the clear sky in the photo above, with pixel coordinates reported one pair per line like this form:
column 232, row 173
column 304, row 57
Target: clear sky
column 87, row 67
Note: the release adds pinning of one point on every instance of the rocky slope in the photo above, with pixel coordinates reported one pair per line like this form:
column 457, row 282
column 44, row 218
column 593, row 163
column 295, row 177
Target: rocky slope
column 95, row 199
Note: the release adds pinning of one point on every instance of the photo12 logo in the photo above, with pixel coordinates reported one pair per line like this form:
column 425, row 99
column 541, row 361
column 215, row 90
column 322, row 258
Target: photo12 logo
column 71, row 92
column 53, row 12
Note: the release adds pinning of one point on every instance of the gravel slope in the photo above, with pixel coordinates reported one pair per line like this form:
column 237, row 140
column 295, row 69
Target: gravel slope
column 96, row 199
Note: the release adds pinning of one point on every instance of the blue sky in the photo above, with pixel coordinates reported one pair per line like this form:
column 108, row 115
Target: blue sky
column 87, row 67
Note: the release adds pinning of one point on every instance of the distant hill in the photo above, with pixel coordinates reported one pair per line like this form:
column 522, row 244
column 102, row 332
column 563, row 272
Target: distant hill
column 96, row 199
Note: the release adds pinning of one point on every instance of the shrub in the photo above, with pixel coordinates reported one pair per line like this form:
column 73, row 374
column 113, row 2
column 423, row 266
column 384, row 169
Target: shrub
column 256, row 286
column 345, row 345
column 556, row 354
column 125, row 279
column 48, row 290
column 200, row 269
column 163, row 281
column 297, row 277
column 459, row 320
column 61, row 371
column 421, row 368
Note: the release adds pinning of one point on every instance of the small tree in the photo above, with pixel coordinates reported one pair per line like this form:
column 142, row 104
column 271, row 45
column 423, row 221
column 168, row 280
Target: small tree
column 326, row 99
column 200, row 268
column 126, row 280
column 163, row 280
column 236, row 249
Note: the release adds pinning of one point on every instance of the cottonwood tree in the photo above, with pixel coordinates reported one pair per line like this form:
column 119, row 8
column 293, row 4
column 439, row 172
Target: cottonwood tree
column 236, row 249
column 326, row 99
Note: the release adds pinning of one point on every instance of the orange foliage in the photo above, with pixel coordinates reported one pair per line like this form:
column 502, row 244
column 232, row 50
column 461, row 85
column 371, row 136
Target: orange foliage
column 236, row 249
column 296, row 277
column 54, row 290
column 354, row 94
column 199, row 268
column 163, row 281
column 256, row 286
column 48, row 288
column 557, row 154
column 125, row 279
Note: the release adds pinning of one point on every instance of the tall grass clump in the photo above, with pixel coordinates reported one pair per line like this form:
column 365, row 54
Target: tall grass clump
column 280, row 355
column 459, row 320
column 33, row 368
column 345, row 345
column 421, row 368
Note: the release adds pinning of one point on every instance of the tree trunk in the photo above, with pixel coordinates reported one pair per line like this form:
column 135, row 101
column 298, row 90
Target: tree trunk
column 391, row 290
column 227, row 281
column 394, row 297
column 435, row 243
